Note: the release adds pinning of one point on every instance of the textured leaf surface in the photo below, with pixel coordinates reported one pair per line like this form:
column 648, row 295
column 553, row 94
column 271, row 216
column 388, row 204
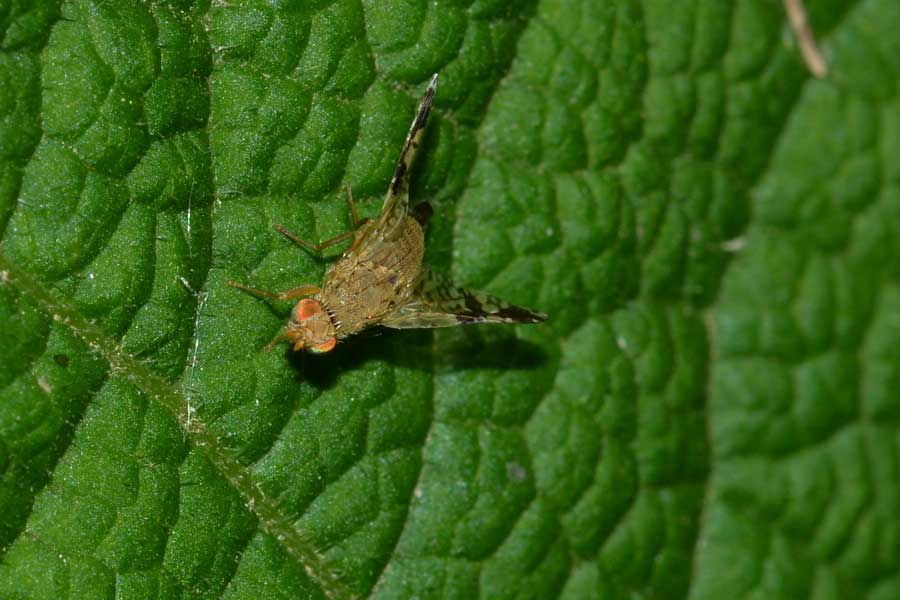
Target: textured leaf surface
column 710, row 412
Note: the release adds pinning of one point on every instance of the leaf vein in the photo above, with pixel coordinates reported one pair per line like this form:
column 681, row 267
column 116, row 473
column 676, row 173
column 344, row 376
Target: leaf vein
column 279, row 526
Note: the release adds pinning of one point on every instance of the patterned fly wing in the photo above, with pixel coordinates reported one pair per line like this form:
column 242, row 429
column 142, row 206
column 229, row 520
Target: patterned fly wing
column 438, row 302
column 396, row 203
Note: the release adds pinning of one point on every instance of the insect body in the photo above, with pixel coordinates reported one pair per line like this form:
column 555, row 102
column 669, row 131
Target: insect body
column 380, row 279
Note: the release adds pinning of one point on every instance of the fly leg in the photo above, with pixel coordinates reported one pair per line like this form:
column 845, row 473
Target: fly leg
column 327, row 243
column 357, row 222
column 353, row 214
column 309, row 245
column 300, row 290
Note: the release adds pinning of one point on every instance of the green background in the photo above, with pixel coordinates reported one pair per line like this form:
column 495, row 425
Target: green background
column 711, row 410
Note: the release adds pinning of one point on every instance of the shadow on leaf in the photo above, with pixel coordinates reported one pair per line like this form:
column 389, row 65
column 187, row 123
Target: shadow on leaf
column 485, row 348
column 460, row 349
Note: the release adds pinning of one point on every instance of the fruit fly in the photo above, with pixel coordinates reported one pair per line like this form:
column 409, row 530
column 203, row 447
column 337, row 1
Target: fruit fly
column 380, row 279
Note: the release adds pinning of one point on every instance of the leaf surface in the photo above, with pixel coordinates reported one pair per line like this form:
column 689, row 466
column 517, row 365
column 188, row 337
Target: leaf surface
column 710, row 412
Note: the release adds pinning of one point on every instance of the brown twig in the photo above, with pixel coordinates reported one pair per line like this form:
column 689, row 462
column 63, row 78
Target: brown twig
column 796, row 12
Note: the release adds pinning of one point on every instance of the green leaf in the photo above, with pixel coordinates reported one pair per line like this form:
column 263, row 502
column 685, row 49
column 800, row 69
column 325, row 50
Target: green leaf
column 711, row 410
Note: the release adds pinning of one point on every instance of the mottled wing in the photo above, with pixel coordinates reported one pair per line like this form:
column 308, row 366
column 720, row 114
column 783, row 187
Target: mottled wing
column 437, row 302
column 396, row 203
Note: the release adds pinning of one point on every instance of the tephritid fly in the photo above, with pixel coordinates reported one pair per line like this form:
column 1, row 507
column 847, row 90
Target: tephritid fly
column 380, row 279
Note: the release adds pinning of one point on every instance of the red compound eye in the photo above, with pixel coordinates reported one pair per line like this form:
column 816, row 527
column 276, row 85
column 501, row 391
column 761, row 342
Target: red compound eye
column 325, row 346
column 308, row 308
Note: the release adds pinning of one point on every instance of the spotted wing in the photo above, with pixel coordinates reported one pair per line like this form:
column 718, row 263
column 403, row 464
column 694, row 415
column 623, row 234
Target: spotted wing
column 396, row 204
column 437, row 302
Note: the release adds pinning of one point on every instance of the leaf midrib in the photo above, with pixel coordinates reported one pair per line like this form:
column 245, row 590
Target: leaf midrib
column 295, row 541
